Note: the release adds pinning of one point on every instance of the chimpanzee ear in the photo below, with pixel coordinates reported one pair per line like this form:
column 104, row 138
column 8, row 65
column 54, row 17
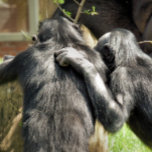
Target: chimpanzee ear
column 34, row 38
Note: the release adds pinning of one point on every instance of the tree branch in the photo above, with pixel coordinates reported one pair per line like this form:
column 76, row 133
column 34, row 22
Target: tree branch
column 60, row 8
column 76, row 2
column 142, row 42
column 79, row 11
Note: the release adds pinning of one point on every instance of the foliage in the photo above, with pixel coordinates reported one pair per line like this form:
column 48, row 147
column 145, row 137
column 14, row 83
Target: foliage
column 126, row 141
column 1, row 60
column 59, row 1
column 10, row 102
column 27, row 36
column 68, row 14
column 91, row 12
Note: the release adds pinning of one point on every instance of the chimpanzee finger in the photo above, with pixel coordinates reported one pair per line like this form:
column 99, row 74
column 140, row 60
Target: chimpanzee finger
column 61, row 59
column 59, row 52
column 60, row 56
column 63, row 63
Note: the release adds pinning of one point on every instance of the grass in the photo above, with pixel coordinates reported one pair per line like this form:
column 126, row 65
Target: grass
column 126, row 141
column 1, row 60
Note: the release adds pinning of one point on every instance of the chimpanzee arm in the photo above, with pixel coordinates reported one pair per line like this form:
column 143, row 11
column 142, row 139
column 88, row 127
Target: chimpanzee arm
column 112, row 107
column 8, row 71
column 111, row 113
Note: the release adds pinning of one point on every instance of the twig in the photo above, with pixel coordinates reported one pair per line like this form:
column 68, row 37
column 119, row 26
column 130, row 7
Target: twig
column 60, row 8
column 79, row 11
column 76, row 2
column 142, row 42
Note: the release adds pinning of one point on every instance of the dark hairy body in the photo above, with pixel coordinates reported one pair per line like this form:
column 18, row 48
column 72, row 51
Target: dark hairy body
column 127, row 96
column 57, row 113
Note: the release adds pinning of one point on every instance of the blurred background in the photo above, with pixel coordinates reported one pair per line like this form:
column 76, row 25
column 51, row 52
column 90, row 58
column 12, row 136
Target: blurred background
column 19, row 20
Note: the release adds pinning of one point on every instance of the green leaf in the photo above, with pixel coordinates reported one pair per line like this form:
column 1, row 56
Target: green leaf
column 67, row 12
column 93, row 8
column 61, row 2
column 94, row 13
column 86, row 12
column 91, row 12
column 27, row 36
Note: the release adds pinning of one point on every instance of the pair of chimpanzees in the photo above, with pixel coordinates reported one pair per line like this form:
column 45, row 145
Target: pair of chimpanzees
column 112, row 83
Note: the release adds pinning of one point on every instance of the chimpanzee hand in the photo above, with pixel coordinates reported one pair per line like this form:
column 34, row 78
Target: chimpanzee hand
column 77, row 59
column 68, row 56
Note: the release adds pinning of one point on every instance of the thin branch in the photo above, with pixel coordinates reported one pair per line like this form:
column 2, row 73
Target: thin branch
column 79, row 11
column 60, row 8
column 142, row 42
column 76, row 2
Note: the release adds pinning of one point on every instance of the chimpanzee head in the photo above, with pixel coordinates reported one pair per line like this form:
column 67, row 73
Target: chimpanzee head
column 60, row 30
column 118, row 47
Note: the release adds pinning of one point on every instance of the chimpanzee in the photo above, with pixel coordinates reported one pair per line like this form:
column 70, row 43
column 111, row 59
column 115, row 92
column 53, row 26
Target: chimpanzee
column 58, row 114
column 126, row 97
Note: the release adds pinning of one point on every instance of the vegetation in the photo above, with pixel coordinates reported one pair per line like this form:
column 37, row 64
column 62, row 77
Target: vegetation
column 91, row 11
column 126, row 141
column 1, row 60
column 10, row 103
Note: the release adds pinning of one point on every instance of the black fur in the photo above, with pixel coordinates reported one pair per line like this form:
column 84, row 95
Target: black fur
column 57, row 115
column 126, row 97
column 130, row 80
